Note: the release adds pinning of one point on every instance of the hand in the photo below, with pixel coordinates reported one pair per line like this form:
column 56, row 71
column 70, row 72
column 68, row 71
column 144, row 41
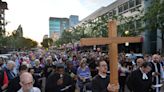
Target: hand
column 155, row 74
column 60, row 82
column 112, row 87
column 82, row 78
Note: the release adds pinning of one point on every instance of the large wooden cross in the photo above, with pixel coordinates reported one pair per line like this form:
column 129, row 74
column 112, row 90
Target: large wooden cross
column 112, row 40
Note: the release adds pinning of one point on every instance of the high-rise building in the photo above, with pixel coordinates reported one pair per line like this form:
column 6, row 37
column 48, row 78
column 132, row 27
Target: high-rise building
column 3, row 7
column 73, row 20
column 57, row 26
column 128, row 8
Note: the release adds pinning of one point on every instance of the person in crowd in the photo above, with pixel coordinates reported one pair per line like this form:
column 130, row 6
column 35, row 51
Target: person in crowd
column 71, row 70
column 59, row 81
column 48, row 67
column 147, row 58
column 14, row 85
column 38, row 72
column 17, row 64
column 140, row 80
column 36, row 83
column 83, row 74
column 132, row 56
column 92, row 65
column 75, row 62
column 9, row 70
column 3, row 76
column 100, row 82
column 53, row 70
column 123, row 73
column 26, row 82
column 157, row 72
column 139, row 62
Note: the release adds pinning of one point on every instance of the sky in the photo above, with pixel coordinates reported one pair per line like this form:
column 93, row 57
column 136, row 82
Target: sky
column 33, row 15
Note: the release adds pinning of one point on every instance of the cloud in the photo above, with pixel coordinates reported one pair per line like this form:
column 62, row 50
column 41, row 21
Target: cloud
column 33, row 15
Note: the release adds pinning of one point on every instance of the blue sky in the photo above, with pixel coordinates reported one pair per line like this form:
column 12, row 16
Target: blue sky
column 33, row 15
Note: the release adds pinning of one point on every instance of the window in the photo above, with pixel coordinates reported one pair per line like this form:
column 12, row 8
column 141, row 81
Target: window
column 138, row 2
column 110, row 14
column 131, row 25
column 138, row 23
column 120, row 9
column 125, row 6
column 114, row 12
column 131, row 3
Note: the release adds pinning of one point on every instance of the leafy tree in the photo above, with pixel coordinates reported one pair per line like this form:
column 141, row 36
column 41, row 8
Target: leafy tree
column 46, row 43
column 154, row 18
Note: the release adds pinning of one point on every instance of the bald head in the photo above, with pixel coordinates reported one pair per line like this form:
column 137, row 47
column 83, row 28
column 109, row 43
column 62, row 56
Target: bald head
column 25, row 76
column 156, row 58
column 140, row 61
column 26, row 81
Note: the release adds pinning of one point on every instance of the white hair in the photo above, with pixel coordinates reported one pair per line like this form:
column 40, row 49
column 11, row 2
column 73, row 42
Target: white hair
column 11, row 62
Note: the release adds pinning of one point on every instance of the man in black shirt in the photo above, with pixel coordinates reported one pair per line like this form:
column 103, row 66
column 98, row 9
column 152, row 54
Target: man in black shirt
column 100, row 82
column 59, row 81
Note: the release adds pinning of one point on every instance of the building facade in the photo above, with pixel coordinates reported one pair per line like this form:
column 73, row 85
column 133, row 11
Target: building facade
column 3, row 7
column 128, row 8
column 73, row 20
column 57, row 26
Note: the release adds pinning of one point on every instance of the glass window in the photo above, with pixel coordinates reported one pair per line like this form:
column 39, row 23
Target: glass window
column 138, row 2
column 120, row 9
column 110, row 14
column 126, row 6
column 114, row 12
column 131, row 3
column 138, row 23
column 131, row 25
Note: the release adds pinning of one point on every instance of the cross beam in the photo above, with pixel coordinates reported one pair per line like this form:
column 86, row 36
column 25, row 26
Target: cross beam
column 102, row 41
column 112, row 41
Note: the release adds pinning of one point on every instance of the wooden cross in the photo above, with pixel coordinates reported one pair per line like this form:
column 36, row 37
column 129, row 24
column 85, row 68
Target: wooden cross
column 112, row 40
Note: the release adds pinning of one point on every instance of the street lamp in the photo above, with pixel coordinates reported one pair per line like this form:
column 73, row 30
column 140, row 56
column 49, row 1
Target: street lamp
column 126, row 33
column 126, row 43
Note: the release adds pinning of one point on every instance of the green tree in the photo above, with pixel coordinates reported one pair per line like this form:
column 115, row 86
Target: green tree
column 46, row 43
column 154, row 18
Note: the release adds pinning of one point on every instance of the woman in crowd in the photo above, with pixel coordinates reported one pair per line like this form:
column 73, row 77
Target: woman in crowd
column 83, row 74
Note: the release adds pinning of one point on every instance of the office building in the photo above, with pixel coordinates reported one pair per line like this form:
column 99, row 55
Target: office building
column 3, row 7
column 57, row 26
column 128, row 8
column 73, row 20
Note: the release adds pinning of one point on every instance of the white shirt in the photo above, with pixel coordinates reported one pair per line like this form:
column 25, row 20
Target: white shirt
column 34, row 89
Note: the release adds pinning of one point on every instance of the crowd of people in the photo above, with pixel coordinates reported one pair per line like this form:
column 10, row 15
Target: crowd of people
column 68, row 70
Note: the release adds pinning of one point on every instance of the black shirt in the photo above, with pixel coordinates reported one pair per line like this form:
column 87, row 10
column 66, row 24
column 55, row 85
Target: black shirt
column 100, row 84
